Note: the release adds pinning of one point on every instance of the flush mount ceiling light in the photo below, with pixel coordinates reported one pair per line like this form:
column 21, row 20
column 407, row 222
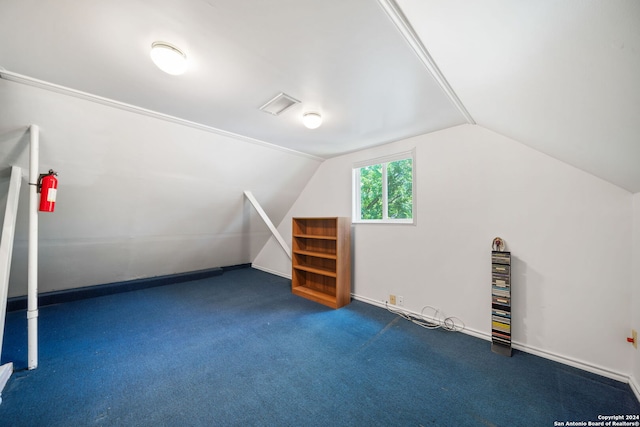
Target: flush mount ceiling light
column 312, row 120
column 168, row 58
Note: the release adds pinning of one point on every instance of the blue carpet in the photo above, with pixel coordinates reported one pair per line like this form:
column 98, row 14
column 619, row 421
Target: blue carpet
column 240, row 349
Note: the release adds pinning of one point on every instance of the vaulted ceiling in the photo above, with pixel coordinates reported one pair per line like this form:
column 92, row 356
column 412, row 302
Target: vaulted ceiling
column 561, row 77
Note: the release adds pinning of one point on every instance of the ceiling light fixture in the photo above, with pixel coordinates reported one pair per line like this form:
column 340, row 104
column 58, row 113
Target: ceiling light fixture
column 312, row 120
column 168, row 58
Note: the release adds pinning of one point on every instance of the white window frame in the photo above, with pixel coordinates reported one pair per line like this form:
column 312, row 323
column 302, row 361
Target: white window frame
column 356, row 199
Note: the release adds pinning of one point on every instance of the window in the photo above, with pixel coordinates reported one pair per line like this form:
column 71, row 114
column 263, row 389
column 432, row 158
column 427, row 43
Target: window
column 383, row 189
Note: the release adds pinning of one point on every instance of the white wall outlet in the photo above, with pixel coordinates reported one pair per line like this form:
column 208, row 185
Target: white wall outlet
column 400, row 300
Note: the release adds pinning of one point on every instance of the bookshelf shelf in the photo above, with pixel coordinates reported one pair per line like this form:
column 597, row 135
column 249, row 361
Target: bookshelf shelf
column 501, row 302
column 321, row 262
column 316, row 254
column 310, row 236
column 320, row 271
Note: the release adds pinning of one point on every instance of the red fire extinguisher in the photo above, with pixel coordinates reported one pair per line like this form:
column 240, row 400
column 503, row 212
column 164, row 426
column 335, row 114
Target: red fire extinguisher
column 48, row 187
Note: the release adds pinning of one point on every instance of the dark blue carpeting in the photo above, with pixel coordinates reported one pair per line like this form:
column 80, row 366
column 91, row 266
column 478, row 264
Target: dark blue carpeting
column 240, row 349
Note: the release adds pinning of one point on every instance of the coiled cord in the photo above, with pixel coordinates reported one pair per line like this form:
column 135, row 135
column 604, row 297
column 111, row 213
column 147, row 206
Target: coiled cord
column 435, row 321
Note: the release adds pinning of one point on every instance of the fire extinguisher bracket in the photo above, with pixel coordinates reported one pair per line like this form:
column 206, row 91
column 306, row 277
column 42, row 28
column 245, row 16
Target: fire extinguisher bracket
column 41, row 176
column 47, row 186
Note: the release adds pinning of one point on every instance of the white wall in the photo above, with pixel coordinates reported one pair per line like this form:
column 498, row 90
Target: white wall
column 139, row 196
column 569, row 233
column 635, row 289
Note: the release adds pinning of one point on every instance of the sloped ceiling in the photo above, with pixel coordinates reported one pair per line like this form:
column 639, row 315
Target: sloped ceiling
column 344, row 59
column 558, row 76
column 561, row 77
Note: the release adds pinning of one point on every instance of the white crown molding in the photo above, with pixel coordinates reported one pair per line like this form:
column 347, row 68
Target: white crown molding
column 30, row 81
column 400, row 20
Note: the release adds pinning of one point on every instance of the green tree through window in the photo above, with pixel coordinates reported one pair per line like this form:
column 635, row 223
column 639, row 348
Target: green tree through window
column 400, row 189
column 371, row 192
column 385, row 191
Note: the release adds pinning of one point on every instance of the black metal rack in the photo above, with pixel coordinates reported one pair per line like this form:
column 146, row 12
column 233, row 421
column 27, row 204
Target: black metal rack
column 501, row 302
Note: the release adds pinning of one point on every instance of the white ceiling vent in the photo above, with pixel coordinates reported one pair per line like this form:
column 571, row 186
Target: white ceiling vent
column 279, row 104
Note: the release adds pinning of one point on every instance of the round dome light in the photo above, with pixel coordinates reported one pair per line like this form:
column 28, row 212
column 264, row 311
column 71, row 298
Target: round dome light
column 312, row 120
column 168, row 58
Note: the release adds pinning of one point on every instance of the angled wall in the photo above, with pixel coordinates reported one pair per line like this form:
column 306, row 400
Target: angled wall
column 139, row 196
column 569, row 233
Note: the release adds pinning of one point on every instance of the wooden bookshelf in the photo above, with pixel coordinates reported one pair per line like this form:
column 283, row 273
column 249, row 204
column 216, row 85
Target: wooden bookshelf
column 501, row 302
column 321, row 260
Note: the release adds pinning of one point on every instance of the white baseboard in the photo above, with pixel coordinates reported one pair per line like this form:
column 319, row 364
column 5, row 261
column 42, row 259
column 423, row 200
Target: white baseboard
column 368, row 300
column 635, row 386
column 466, row 330
column 267, row 270
column 585, row 366
column 576, row 363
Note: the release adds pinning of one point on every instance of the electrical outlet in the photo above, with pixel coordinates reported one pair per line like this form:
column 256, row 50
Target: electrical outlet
column 400, row 300
column 634, row 334
column 392, row 299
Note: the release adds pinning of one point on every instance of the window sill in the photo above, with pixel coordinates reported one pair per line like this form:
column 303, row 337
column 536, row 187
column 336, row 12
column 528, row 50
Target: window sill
column 381, row 221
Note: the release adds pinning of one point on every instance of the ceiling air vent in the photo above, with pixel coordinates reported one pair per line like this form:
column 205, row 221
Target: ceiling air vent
column 279, row 104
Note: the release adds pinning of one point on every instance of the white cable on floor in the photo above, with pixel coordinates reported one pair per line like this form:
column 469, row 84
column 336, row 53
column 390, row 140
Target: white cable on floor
column 433, row 322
